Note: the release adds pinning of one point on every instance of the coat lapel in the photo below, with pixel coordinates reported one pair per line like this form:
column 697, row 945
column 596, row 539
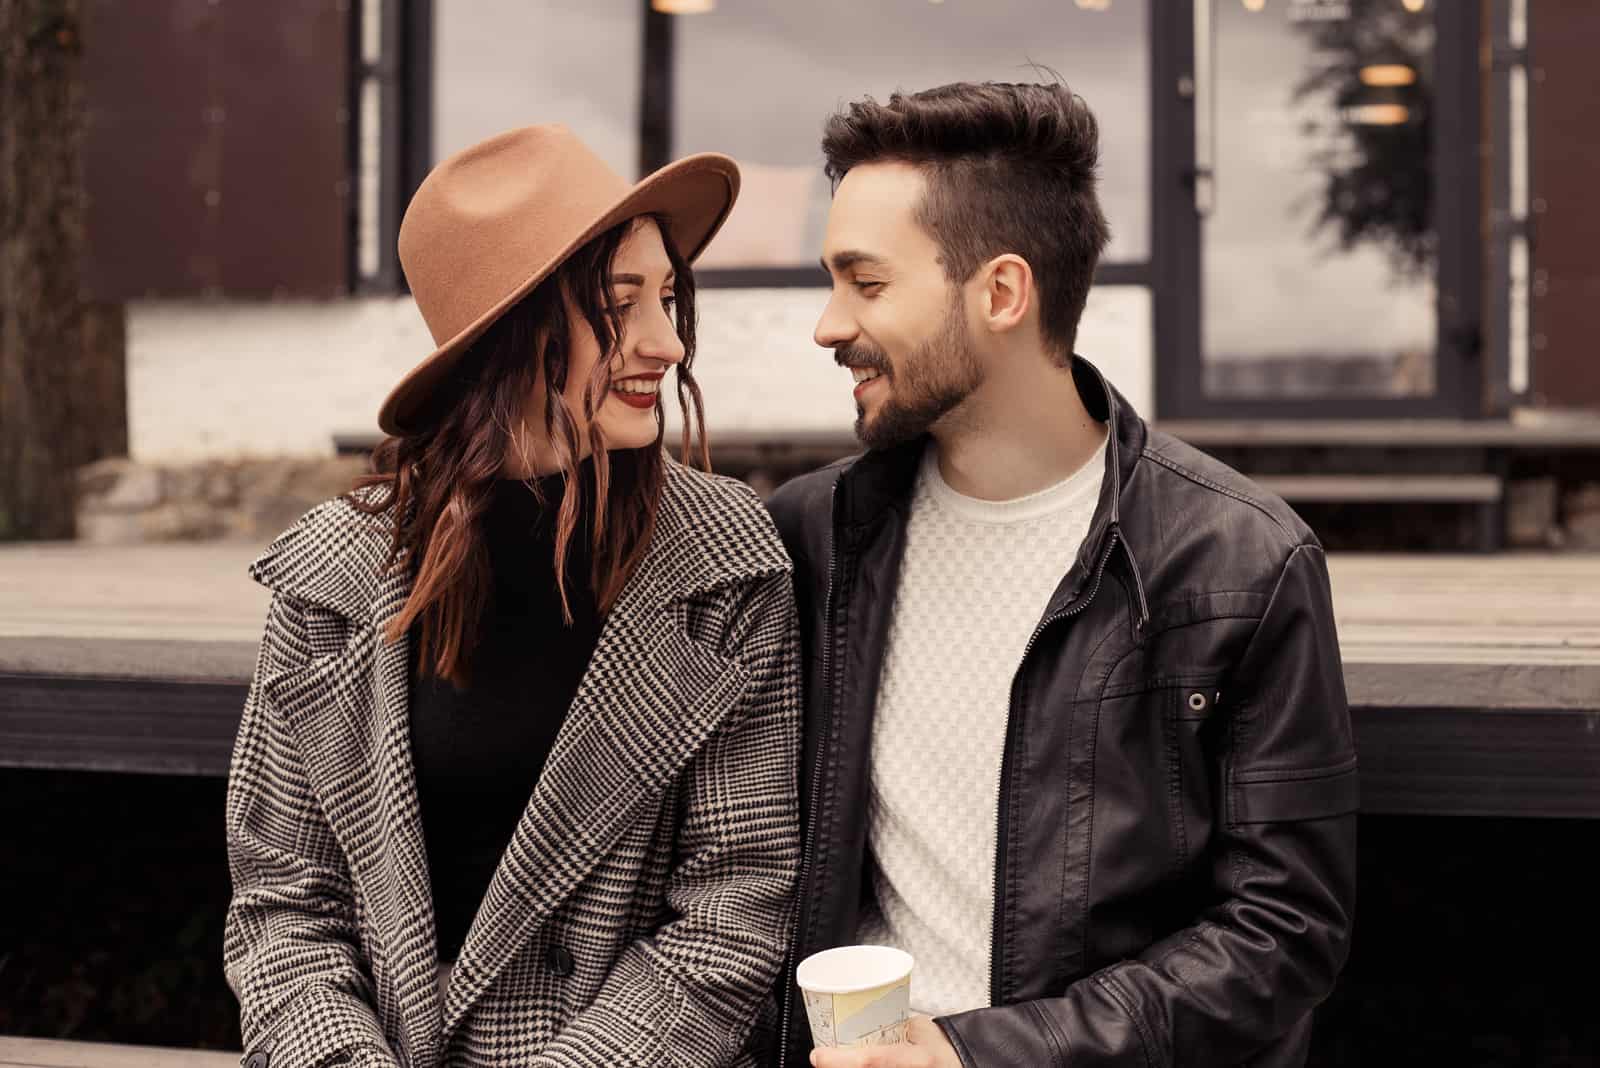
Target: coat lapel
column 352, row 723
column 403, row 865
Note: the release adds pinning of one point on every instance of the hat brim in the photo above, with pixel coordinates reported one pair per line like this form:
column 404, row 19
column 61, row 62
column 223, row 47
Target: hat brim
column 694, row 195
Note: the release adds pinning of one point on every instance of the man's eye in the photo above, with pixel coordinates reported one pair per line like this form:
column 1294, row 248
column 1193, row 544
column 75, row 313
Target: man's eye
column 868, row 287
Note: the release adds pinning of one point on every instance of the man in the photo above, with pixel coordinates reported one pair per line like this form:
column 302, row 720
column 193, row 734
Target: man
column 1076, row 735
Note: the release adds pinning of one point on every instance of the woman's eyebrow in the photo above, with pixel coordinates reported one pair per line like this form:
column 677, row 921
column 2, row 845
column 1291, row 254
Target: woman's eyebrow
column 638, row 279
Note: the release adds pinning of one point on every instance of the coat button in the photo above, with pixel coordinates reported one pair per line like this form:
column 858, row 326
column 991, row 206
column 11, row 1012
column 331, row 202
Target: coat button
column 258, row 1059
column 1198, row 702
column 560, row 961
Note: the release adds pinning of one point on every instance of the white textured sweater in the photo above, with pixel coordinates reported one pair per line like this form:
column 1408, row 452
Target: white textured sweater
column 974, row 583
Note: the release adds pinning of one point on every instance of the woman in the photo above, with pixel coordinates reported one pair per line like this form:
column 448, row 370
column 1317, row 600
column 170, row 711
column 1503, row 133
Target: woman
column 515, row 782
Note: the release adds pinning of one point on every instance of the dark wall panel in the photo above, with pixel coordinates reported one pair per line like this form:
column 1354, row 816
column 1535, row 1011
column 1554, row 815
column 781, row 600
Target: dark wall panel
column 285, row 176
column 150, row 153
column 217, row 156
column 1563, row 36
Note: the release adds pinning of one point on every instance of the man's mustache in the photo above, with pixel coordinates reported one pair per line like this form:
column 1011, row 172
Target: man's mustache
column 860, row 356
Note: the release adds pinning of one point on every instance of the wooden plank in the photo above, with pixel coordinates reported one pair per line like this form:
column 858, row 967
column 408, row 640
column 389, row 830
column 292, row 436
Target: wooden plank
column 54, row 1053
column 1416, row 757
column 1511, row 610
column 1538, row 763
column 1482, row 489
column 1469, row 687
column 152, row 659
column 194, row 605
column 190, row 592
column 1577, row 431
column 178, row 727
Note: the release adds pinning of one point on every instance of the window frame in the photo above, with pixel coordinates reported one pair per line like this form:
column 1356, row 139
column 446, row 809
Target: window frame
column 403, row 74
column 1176, row 228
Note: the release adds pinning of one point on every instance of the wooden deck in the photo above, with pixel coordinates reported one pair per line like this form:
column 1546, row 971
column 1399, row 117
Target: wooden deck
column 49, row 1053
column 1474, row 680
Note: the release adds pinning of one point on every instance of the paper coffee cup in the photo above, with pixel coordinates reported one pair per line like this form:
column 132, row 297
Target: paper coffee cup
column 856, row 995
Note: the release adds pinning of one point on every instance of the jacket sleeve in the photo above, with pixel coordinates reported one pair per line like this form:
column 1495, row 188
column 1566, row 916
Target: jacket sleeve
column 691, row 993
column 1267, row 948
column 291, row 950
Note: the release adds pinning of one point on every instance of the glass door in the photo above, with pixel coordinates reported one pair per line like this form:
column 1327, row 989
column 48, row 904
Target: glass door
column 1321, row 209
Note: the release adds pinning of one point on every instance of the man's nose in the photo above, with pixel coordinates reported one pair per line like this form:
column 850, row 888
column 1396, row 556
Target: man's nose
column 835, row 328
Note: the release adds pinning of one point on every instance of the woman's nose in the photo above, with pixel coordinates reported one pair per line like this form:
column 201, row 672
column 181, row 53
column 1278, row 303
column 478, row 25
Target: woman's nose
column 661, row 341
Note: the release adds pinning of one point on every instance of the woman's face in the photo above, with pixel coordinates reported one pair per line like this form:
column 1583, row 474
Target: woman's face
column 641, row 288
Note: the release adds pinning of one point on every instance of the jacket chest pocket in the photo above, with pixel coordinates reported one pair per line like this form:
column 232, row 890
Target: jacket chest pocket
column 1155, row 775
column 1192, row 723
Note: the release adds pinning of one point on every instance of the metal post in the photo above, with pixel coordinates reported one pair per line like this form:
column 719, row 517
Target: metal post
column 655, row 90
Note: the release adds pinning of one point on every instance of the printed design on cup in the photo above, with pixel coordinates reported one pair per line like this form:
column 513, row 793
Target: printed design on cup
column 872, row 1018
column 819, row 1010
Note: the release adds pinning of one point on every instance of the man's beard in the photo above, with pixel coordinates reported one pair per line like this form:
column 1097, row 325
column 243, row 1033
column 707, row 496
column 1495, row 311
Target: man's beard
column 923, row 387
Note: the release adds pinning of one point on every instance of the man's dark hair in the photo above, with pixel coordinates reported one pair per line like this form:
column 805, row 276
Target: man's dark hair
column 1009, row 168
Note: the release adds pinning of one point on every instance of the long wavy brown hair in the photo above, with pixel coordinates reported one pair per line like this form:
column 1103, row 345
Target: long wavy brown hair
column 435, row 485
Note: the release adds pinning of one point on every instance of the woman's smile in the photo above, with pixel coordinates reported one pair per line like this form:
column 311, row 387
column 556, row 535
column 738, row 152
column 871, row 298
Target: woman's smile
column 638, row 391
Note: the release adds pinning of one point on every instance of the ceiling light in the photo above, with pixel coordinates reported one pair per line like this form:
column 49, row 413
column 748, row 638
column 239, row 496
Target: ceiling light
column 1377, row 115
column 1388, row 74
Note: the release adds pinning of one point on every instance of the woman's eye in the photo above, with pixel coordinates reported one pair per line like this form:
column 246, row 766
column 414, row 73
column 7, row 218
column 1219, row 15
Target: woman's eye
column 668, row 303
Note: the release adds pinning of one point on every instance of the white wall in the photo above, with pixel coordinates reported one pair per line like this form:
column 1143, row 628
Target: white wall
column 229, row 379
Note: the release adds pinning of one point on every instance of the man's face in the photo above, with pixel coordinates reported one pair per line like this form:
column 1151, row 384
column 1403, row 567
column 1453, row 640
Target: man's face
column 893, row 317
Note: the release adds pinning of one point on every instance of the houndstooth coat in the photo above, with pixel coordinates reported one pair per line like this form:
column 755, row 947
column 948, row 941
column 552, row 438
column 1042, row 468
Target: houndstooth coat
column 640, row 913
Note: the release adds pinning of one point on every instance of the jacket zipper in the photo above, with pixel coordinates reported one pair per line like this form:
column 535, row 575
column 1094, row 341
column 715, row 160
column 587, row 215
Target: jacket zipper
column 807, row 844
column 1005, row 758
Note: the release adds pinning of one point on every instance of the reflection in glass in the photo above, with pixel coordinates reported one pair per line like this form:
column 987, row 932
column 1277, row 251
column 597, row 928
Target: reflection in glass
column 500, row 64
column 757, row 78
column 1320, row 256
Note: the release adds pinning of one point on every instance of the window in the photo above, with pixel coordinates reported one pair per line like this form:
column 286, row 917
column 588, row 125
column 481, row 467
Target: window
column 757, row 78
column 500, row 64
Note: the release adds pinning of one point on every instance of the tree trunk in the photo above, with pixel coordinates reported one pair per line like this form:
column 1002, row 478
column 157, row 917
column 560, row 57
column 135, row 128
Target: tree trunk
column 63, row 399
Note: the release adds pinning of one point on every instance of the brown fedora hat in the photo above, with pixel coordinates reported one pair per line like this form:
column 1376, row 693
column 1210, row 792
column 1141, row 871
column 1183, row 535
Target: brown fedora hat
column 492, row 221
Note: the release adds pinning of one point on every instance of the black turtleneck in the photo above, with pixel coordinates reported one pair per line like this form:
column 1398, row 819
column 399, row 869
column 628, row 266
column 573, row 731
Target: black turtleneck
column 479, row 752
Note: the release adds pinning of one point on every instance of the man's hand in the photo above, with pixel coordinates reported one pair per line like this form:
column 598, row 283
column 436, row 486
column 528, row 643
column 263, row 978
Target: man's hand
column 925, row 1047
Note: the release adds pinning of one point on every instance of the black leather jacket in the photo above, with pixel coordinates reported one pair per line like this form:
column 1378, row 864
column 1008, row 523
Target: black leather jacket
column 1175, row 877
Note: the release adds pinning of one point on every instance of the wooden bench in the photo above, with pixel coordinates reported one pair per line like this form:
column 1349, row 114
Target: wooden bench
column 1388, row 462
column 52, row 1053
column 1485, row 494
column 1474, row 682
column 1466, row 489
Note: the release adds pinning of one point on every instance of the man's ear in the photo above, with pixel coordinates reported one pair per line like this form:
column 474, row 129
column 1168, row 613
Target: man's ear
column 1008, row 292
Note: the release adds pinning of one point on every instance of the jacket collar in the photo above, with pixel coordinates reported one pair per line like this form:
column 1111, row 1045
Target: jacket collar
column 651, row 697
column 334, row 557
column 882, row 479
